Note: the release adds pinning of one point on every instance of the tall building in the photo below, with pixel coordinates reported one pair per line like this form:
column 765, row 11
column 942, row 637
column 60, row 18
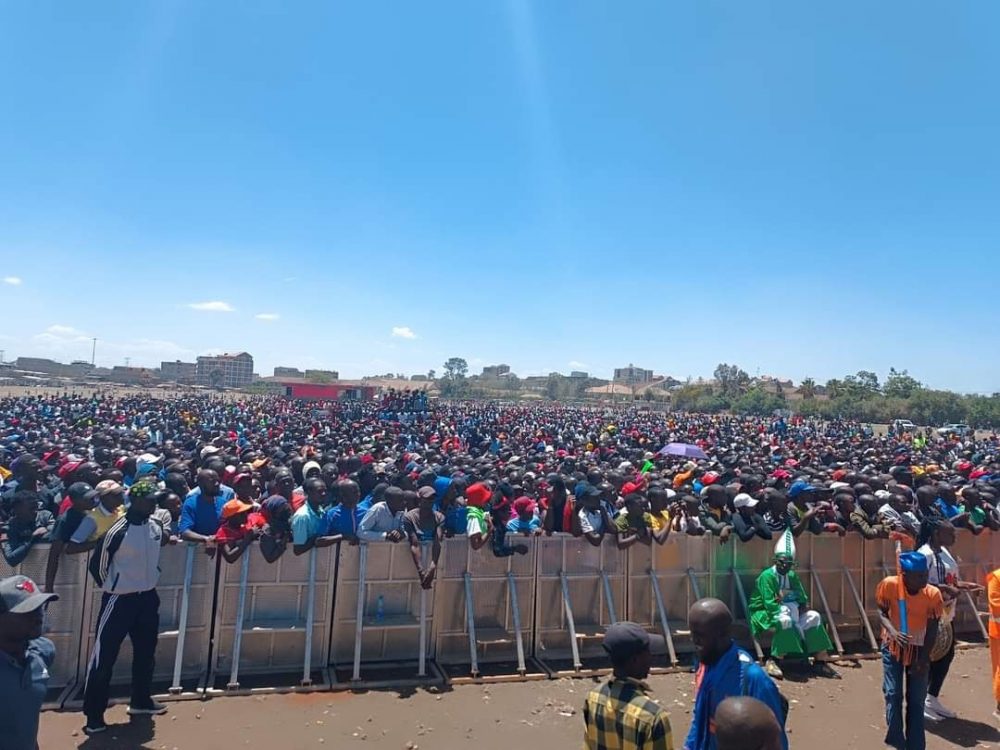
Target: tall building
column 225, row 370
column 179, row 372
column 632, row 375
column 288, row 372
column 495, row 371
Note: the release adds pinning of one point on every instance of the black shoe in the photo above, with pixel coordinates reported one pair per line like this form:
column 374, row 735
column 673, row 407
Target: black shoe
column 147, row 709
column 95, row 726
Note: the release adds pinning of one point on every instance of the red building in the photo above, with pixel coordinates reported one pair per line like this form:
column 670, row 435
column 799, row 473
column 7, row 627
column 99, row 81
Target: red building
column 337, row 390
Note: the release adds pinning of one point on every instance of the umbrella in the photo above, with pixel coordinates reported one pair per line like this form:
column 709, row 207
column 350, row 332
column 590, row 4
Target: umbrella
column 682, row 449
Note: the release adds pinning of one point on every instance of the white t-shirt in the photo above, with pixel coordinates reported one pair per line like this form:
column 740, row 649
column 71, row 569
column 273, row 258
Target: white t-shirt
column 942, row 568
column 591, row 521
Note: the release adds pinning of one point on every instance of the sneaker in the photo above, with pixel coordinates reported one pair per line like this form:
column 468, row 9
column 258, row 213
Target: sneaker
column 95, row 726
column 939, row 708
column 823, row 669
column 772, row 668
column 147, row 709
column 929, row 714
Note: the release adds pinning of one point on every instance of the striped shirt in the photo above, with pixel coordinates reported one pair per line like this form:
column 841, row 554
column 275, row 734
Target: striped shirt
column 619, row 715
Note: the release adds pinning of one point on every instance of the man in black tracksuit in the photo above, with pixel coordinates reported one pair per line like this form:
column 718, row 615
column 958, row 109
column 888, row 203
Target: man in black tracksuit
column 125, row 564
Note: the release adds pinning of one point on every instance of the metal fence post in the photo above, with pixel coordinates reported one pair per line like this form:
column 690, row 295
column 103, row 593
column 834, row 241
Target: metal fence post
column 516, row 613
column 234, row 673
column 310, row 612
column 570, row 624
column 360, row 611
column 175, row 688
column 422, row 660
column 470, row 621
column 608, row 596
column 662, row 611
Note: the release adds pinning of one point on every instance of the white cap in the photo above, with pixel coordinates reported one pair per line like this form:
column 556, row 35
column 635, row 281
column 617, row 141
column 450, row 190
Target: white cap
column 209, row 450
column 743, row 500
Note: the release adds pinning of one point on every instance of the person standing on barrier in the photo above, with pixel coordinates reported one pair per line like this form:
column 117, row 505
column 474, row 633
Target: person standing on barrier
column 725, row 670
column 779, row 603
column 620, row 715
column 25, row 658
column 125, row 565
column 993, row 595
column 910, row 611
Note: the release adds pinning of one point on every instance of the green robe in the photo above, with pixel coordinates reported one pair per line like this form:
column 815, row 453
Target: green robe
column 765, row 606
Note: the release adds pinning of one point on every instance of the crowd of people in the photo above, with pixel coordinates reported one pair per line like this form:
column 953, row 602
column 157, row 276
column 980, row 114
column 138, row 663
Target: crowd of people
column 223, row 474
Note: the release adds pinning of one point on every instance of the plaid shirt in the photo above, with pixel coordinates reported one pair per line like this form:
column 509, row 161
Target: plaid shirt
column 619, row 716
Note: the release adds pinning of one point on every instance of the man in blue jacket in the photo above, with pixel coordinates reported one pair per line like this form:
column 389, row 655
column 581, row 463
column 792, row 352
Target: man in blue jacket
column 725, row 670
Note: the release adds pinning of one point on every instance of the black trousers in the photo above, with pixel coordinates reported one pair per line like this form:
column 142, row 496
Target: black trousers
column 138, row 617
column 939, row 670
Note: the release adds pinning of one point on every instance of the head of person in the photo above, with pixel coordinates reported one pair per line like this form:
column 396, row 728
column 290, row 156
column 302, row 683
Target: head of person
column 524, row 507
column 716, row 497
column 110, row 494
column 315, row 489
column 21, row 608
column 278, row 512
column 142, row 499
column 235, row 512
column 868, row 503
column 27, row 468
column 330, row 473
column 177, row 482
column 24, row 505
column 914, row 568
column 710, row 623
column 745, row 504
column 926, row 496
column 170, row 501
column 88, row 472
column 311, row 469
column 425, row 498
column 284, row 483
column 348, row 493
column 82, row 496
column 937, row 532
column 635, row 506
column 745, row 723
column 784, row 562
column 394, row 500
column 631, row 649
column 208, row 483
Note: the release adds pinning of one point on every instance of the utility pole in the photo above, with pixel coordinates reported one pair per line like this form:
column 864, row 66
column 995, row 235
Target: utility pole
column 128, row 361
column 93, row 352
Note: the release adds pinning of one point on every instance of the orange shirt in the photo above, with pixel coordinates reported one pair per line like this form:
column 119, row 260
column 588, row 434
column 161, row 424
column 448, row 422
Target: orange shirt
column 993, row 593
column 924, row 606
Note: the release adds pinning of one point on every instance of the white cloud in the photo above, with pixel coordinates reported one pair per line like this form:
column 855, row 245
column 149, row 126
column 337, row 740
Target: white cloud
column 12, row 280
column 58, row 330
column 267, row 316
column 211, row 306
column 576, row 364
column 403, row 332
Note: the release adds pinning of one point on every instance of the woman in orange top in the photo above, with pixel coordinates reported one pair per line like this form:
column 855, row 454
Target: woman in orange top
column 993, row 593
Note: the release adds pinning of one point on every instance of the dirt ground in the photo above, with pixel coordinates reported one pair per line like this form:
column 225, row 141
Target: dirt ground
column 542, row 714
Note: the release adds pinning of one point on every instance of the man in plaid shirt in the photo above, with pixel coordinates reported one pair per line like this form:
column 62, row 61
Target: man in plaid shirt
column 620, row 715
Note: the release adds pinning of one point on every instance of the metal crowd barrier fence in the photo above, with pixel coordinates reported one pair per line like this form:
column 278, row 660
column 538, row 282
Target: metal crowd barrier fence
column 580, row 590
column 64, row 617
column 274, row 617
column 374, row 619
column 485, row 606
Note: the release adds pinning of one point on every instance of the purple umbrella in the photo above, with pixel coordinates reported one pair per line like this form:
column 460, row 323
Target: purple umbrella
column 682, row 449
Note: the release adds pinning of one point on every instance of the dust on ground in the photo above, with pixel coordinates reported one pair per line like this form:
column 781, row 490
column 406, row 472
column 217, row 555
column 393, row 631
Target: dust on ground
column 544, row 714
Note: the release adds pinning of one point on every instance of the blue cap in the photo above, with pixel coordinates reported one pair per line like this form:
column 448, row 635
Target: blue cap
column 798, row 487
column 913, row 562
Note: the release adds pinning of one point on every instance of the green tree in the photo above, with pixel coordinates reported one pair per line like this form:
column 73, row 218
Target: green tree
column 900, row 384
column 733, row 381
column 807, row 388
column 758, row 402
column 431, row 373
column 456, row 368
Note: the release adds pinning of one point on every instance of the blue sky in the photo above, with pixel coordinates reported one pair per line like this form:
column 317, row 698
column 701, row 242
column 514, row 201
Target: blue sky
column 802, row 190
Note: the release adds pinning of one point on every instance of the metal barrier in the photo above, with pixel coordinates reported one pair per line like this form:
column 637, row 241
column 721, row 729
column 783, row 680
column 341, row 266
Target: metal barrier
column 64, row 617
column 590, row 582
column 976, row 556
column 484, row 606
column 274, row 617
column 185, row 588
column 664, row 581
column 383, row 616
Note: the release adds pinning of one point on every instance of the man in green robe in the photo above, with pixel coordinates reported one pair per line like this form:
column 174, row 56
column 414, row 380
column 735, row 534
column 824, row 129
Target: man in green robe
column 779, row 603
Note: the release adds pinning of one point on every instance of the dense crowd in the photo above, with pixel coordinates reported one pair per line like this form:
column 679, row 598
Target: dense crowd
column 125, row 475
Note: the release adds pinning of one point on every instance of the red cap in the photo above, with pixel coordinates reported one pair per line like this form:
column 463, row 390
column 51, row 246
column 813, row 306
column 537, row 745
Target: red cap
column 478, row 494
column 629, row 488
column 524, row 504
column 68, row 468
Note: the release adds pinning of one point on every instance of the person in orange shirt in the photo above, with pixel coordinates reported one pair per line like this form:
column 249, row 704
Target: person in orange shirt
column 993, row 594
column 910, row 611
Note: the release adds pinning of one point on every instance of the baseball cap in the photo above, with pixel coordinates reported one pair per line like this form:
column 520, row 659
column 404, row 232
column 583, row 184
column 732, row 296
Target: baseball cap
column 426, row 493
column 743, row 500
column 623, row 640
column 19, row 595
column 235, row 507
column 798, row 487
column 81, row 491
column 209, row 450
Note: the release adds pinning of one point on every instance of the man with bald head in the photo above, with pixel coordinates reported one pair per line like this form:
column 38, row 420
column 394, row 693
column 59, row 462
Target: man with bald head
column 725, row 671
column 745, row 723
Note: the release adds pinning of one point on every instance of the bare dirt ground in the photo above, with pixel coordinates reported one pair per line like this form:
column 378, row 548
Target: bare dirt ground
column 518, row 715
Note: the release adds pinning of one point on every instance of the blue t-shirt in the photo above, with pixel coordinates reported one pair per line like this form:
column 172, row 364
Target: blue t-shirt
column 516, row 525
column 23, row 689
column 343, row 520
column 200, row 516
